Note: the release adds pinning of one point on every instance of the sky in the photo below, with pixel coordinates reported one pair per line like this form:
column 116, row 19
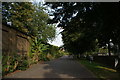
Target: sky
column 58, row 39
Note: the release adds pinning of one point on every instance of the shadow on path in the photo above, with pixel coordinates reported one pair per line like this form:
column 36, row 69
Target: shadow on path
column 60, row 69
column 66, row 67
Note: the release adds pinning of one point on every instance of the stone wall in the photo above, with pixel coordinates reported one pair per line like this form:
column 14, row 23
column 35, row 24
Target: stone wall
column 14, row 41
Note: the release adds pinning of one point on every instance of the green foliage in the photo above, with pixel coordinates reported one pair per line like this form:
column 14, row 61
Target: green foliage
column 37, row 49
column 18, row 13
column 53, row 50
column 29, row 18
column 92, row 21
column 23, row 63
column 62, row 53
column 14, row 62
column 43, row 51
column 44, row 57
column 39, row 26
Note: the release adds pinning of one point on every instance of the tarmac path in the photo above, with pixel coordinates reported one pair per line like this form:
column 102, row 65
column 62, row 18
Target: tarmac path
column 64, row 67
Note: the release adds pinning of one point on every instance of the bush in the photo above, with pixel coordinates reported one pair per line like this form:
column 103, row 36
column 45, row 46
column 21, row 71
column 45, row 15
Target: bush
column 14, row 62
column 8, row 64
column 43, row 57
column 23, row 65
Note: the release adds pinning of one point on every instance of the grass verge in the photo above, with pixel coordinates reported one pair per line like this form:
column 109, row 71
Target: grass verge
column 101, row 71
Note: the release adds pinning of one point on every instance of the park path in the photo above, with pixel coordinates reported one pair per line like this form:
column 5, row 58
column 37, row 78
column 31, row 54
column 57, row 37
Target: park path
column 63, row 67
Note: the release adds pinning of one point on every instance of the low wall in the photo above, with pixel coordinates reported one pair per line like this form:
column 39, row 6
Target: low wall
column 106, row 60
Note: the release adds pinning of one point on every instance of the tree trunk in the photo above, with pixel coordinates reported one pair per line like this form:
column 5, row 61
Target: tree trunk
column 109, row 49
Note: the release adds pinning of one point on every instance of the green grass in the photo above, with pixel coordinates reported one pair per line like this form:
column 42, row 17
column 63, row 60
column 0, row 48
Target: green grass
column 101, row 71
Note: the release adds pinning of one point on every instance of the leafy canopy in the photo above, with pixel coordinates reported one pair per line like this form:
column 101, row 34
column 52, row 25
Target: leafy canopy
column 84, row 23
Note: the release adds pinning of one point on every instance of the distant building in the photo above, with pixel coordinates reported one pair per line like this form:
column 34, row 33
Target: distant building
column 62, row 49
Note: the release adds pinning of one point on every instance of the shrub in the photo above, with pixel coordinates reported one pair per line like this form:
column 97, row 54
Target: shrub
column 14, row 62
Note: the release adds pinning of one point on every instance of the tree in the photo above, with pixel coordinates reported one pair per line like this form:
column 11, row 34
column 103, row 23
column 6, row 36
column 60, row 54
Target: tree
column 93, row 20
column 74, row 34
column 18, row 13
column 28, row 18
column 39, row 25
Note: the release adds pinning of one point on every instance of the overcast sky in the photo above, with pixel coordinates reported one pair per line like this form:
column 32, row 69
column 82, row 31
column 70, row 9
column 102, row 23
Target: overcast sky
column 58, row 40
